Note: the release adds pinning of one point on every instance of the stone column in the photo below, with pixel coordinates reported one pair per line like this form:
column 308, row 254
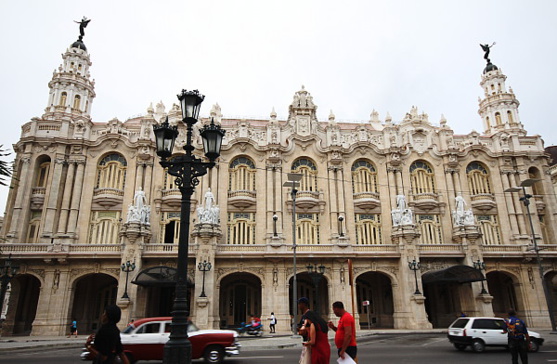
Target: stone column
column 510, row 205
column 409, row 307
column 16, row 226
column 76, row 197
column 139, row 175
column 68, row 187
column 148, row 181
column 205, row 309
column 53, row 197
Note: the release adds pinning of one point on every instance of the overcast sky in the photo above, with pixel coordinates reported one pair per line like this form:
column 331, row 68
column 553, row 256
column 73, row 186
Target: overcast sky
column 251, row 56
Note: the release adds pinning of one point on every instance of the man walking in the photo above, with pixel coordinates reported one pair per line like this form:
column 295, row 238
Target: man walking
column 519, row 340
column 345, row 332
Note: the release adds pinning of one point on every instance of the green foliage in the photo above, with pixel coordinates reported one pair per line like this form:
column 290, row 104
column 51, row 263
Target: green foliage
column 5, row 167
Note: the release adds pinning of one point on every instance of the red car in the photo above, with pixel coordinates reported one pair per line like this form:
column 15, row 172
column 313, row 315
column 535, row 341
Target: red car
column 145, row 339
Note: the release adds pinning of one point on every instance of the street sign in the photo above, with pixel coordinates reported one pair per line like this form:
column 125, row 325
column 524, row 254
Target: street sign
column 365, row 303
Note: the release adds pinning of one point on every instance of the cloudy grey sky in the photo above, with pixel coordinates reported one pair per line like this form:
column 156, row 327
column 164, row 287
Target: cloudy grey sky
column 353, row 56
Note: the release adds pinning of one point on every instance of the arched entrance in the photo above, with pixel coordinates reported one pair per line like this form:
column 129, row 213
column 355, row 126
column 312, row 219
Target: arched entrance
column 24, row 297
column 315, row 290
column 449, row 292
column 157, row 290
column 551, row 279
column 502, row 287
column 92, row 293
column 240, row 297
column 376, row 288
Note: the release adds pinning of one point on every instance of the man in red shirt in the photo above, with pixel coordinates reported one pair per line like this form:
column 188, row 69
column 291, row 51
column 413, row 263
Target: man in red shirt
column 345, row 337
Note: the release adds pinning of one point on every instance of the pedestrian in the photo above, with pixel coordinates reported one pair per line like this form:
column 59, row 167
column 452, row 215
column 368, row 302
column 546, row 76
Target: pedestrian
column 303, row 307
column 518, row 338
column 318, row 341
column 73, row 328
column 131, row 323
column 107, row 343
column 345, row 332
column 272, row 323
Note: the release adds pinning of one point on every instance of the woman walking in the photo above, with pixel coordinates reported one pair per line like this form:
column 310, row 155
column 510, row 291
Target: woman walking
column 318, row 340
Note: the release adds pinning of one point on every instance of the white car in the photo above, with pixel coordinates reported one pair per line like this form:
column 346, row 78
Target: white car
column 479, row 332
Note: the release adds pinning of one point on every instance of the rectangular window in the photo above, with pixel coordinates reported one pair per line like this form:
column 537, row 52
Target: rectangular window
column 430, row 229
column 241, row 228
column 489, row 227
column 368, row 229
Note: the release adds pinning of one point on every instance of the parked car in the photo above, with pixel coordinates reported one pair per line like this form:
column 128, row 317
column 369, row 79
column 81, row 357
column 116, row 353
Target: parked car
column 479, row 332
column 145, row 339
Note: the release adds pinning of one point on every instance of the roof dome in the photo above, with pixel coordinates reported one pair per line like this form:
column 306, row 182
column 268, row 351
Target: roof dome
column 490, row 67
column 79, row 44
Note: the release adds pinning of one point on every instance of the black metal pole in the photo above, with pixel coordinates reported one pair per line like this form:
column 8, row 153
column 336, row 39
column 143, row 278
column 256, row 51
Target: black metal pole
column 548, row 299
column 178, row 348
column 126, row 287
column 294, row 280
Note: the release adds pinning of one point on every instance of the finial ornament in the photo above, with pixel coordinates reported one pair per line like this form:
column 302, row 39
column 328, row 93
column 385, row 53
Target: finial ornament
column 82, row 25
column 486, row 48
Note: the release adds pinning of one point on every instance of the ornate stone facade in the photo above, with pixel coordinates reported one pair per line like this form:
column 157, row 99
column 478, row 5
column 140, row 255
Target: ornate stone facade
column 69, row 224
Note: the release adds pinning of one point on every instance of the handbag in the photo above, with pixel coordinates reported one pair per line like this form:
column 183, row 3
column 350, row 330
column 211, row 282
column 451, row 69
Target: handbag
column 305, row 357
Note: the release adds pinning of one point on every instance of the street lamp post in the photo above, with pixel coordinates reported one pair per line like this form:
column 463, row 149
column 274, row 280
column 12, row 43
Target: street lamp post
column 415, row 266
column 316, row 273
column 186, row 168
column 7, row 272
column 275, row 218
column 204, row 266
column 340, row 220
column 479, row 265
column 293, row 182
column 127, row 267
column 526, row 201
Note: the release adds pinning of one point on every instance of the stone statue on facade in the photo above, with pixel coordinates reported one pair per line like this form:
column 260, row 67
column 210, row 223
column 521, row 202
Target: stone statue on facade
column 139, row 211
column 402, row 215
column 461, row 216
column 208, row 214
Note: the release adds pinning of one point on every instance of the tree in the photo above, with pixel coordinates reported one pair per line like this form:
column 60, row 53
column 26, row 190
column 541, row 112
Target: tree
column 5, row 167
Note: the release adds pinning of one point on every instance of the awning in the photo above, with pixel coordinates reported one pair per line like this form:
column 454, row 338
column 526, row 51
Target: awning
column 160, row 276
column 454, row 274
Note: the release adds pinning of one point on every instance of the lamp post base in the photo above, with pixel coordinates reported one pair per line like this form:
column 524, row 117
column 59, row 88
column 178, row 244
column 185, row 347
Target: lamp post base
column 177, row 352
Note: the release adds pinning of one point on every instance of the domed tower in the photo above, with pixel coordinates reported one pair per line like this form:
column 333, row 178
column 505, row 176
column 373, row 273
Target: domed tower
column 499, row 107
column 71, row 89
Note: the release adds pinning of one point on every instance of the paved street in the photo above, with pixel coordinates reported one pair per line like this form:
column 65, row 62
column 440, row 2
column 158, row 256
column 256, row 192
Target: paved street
column 383, row 349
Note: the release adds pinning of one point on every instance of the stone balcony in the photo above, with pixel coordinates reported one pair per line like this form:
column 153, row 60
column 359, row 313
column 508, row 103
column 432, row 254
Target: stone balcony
column 483, row 201
column 108, row 197
column 425, row 201
column 540, row 203
column 37, row 197
column 242, row 198
column 306, row 201
column 366, row 200
column 171, row 197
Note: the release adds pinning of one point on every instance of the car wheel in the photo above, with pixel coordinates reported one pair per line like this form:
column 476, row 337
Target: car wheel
column 534, row 346
column 460, row 347
column 214, row 354
column 478, row 346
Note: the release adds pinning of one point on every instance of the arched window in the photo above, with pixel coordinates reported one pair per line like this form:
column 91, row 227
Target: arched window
column 510, row 117
column 63, row 98
column 42, row 174
column 489, row 228
column 241, row 228
column 430, row 229
column 309, row 174
column 170, row 228
column 364, row 177
column 537, row 187
column 104, row 227
column 307, row 228
column 77, row 102
column 421, row 178
column 34, row 226
column 241, row 175
column 478, row 179
column 498, row 119
column 368, row 229
column 111, row 172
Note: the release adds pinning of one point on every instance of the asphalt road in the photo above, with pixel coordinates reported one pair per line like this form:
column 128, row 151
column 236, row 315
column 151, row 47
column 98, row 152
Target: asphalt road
column 404, row 349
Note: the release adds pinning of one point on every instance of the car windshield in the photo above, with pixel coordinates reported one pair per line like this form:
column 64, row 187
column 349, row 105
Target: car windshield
column 460, row 323
column 128, row 329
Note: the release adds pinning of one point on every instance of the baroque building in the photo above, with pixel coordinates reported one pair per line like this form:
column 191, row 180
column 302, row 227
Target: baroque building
column 374, row 197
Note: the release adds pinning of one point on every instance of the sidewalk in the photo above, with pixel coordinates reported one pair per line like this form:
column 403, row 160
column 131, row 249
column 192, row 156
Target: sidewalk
column 268, row 341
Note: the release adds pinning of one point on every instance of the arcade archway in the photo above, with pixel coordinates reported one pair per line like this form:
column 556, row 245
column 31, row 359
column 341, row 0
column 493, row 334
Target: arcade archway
column 240, row 297
column 92, row 293
column 24, row 297
column 376, row 289
column 314, row 289
column 502, row 287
